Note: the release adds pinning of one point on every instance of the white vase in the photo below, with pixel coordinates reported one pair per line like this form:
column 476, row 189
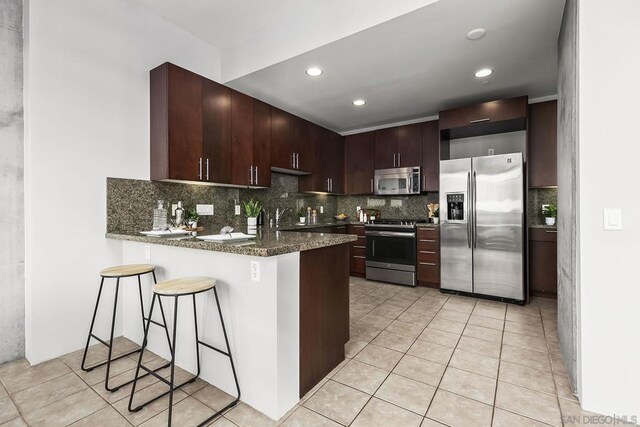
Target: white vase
column 550, row 221
column 436, row 220
column 302, row 219
column 252, row 225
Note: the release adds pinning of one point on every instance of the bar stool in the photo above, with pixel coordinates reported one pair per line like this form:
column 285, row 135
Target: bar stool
column 119, row 272
column 176, row 288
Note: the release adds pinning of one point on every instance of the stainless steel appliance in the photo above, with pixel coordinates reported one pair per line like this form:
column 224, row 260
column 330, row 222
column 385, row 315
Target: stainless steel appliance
column 482, row 226
column 391, row 251
column 397, row 181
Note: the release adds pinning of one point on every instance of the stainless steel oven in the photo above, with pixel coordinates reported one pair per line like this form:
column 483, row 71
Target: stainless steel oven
column 391, row 253
column 397, row 181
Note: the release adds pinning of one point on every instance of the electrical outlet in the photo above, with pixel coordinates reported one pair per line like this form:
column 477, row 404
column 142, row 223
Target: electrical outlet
column 237, row 209
column 492, row 151
column 321, row 209
column 147, row 252
column 255, row 271
column 204, row 210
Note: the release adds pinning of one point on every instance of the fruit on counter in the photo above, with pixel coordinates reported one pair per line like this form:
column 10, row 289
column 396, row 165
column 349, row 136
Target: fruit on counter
column 341, row 216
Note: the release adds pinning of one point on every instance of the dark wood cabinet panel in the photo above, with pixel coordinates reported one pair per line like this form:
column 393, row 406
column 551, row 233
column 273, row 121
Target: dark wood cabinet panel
column 357, row 251
column 428, row 271
column 241, row 138
column 542, row 161
column 176, row 123
column 282, row 130
column 430, row 156
column 409, row 151
column 505, row 115
column 327, row 168
column 386, row 148
column 216, row 114
column 543, row 263
column 304, row 144
column 359, row 163
column 324, row 312
column 262, row 143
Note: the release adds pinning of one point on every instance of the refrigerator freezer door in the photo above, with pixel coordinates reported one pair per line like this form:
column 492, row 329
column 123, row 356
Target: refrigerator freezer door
column 456, row 268
column 498, row 228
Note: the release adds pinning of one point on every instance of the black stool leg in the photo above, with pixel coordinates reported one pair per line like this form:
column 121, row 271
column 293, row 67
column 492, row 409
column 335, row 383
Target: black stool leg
column 113, row 326
column 173, row 358
column 144, row 344
column 93, row 321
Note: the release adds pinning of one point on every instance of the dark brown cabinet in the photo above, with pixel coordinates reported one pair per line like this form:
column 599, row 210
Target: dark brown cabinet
column 328, row 161
column 250, row 141
column 357, row 251
column 177, row 149
column 505, row 115
column 290, row 142
column 429, row 256
column 398, row 146
column 359, row 163
column 543, row 262
column 430, row 156
column 542, row 131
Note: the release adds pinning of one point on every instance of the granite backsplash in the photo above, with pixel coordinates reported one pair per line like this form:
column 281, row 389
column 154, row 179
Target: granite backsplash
column 407, row 207
column 537, row 198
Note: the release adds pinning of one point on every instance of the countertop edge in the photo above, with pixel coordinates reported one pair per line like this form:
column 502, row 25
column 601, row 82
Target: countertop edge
column 286, row 248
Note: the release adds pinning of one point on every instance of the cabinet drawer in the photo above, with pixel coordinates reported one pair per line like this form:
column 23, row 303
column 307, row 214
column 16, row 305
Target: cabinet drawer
column 356, row 229
column 428, row 233
column 429, row 272
column 357, row 250
column 429, row 256
column 362, row 241
column 543, row 235
column 428, row 245
column 357, row 264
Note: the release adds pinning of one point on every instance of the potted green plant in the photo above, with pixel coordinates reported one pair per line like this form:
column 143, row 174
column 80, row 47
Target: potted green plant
column 302, row 214
column 192, row 218
column 550, row 214
column 252, row 209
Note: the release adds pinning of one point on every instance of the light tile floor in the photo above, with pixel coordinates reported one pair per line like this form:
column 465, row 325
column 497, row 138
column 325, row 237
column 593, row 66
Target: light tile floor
column 417, row 357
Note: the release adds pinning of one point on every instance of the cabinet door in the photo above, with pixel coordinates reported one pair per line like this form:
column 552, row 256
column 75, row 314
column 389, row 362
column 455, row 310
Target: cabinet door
column 359, row 163
column 317, row 181
column 261, row 143
column 216, row 113
column 241, row 138
column 282, row 128
column 543, row 146
column 430, row 156
column 492, row 111
column 386, row 148
column 176, row 123
column 304, row 134
column 543, row 275
column 336, row 162
column 409, row 153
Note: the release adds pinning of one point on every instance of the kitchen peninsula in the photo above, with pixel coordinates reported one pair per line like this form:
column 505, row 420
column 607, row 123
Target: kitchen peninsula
column 285, row 299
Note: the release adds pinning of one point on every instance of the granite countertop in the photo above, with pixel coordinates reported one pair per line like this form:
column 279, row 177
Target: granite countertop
column 269, row 242
column 548, row 227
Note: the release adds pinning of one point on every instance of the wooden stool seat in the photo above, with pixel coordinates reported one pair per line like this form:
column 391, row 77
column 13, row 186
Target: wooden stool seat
column 184, row 286
column 127, row 270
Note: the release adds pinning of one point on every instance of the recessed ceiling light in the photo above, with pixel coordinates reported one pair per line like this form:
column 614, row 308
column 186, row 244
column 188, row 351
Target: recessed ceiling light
column 485, row 72
column 359, row 102
column 476, row 33
column 314, row 71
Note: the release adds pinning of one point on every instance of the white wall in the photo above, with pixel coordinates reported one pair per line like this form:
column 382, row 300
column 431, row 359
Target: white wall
column 609, row 151
column 86, row 118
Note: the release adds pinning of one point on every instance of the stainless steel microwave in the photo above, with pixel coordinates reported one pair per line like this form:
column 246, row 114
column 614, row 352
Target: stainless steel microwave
column 397, row 181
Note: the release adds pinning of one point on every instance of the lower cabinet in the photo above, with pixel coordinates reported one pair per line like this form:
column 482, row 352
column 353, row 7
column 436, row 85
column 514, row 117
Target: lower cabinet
column 357, row 251
column 543, row 262
column 429, row 257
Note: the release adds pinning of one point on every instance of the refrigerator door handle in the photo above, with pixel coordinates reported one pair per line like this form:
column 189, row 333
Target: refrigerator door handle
column 475, row 210
column 469, row 225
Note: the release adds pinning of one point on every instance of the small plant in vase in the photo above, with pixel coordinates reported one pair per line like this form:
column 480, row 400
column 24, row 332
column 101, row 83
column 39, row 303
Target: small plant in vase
column 252, row 209
column 192, row 218
column 550, row 214
column 302, row 214
column 434, row 212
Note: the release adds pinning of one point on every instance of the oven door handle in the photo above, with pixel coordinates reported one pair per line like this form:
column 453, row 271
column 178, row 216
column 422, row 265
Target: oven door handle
column 389, row 233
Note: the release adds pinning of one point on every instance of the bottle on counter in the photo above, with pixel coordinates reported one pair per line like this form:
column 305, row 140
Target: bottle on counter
column 309, row 215
column 160, row 217
column 179, row 215
column 314, row 217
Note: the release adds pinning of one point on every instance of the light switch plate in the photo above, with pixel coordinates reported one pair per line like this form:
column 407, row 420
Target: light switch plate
column 204, row 209
column 237, row 210
column 612, row 219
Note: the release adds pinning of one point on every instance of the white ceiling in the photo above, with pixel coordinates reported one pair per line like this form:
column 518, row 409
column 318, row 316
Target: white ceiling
column 419, row 64
column 408, row 67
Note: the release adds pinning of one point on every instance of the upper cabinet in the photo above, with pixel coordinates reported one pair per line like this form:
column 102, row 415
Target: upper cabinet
column 177, row 150
column 290, row 143
column 327, row 153
column 359, row 163
column 430, row 156
column 398, row 146
column 505, row 115
column 543, row 147
column 216, row 131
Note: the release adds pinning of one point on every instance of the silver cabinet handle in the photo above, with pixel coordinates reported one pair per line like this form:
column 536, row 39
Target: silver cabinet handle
column 255, row 168
column 424, row 182
column 359, row 247
column 297, row 161
column 250, row 174
column 428, row 252
column 394, row 160
column 550, row 231
column 359, row 256
column 486, row 119
column 398, row 159
column 207, row 169
column 331, row 182
column 293, row 160
column 428, row 263
column 428, row 240
column 371, row 185
column 200, row 169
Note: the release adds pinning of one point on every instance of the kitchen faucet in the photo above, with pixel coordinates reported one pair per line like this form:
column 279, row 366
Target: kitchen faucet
column 279, row 213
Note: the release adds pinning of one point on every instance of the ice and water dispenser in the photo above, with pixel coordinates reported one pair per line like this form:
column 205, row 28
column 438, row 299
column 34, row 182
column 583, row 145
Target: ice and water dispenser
column 455, row 207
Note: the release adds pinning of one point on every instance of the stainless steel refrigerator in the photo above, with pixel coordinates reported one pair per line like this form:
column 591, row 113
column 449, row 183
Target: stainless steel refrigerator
column 482, row 226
